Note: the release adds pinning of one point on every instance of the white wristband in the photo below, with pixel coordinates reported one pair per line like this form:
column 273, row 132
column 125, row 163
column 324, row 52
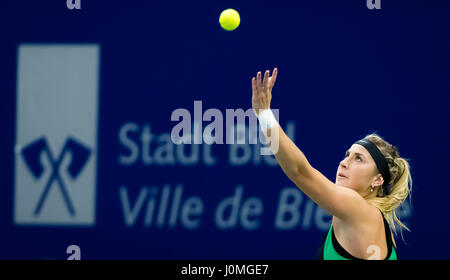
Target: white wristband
column 266, row 119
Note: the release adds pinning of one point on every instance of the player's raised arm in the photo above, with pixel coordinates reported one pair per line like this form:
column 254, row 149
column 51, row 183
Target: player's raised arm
column 339, row 201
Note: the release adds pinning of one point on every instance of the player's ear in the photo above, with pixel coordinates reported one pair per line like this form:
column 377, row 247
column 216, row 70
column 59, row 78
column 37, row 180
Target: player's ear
column 377, row 180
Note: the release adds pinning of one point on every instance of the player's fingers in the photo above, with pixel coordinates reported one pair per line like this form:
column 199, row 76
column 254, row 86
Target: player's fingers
column 254, row 85
column 274, row 77
column 266, row 80
column 258, row 81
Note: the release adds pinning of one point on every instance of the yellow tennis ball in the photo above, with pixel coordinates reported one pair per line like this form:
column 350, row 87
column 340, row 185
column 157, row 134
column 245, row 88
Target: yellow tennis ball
column 229, row 19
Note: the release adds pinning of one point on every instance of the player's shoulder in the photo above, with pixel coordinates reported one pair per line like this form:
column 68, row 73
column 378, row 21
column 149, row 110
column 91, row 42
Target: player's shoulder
column 359, row 210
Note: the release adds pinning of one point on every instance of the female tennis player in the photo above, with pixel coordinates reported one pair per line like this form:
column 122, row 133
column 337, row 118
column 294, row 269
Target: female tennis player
column 371, row 182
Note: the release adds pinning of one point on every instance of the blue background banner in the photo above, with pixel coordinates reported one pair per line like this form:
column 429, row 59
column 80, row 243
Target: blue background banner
column 102, row 82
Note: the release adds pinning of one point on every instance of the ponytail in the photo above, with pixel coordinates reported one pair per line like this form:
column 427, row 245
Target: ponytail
column 401, row 183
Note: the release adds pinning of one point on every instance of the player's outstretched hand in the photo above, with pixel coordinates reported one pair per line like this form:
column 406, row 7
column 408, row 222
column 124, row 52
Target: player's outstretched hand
column 262, row 92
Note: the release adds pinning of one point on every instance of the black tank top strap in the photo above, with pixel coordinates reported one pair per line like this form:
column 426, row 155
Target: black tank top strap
column 389, row 242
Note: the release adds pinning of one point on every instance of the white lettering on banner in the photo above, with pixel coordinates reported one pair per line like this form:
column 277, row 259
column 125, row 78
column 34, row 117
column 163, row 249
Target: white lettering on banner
column 289, row 204
column 150, row 149
column 168, row 208
column 251, row 207
column 243, row 154
column 144, row 146
column 191, row 208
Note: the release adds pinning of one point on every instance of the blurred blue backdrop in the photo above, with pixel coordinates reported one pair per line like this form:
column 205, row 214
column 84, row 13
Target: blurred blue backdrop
column 344, row 71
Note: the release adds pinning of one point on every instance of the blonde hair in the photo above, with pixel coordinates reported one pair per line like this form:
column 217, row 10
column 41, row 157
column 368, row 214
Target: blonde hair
column 401, row 183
